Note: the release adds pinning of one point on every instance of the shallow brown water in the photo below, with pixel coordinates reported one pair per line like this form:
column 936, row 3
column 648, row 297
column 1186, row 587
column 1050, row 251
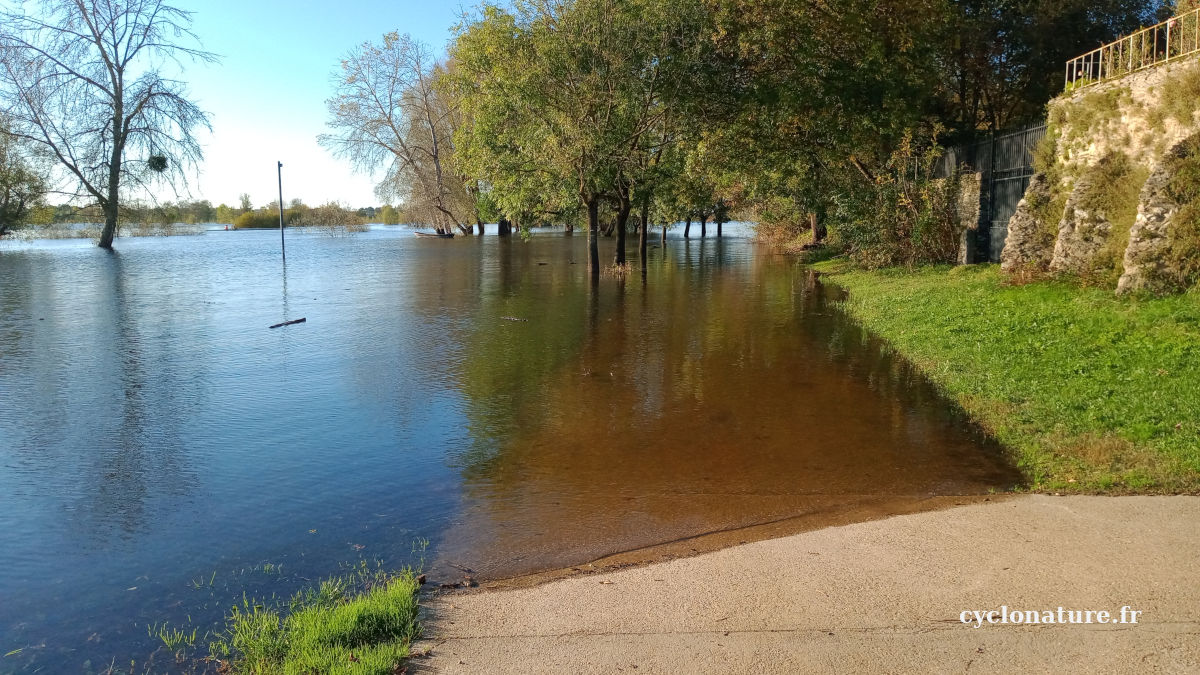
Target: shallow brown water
column 721, row 391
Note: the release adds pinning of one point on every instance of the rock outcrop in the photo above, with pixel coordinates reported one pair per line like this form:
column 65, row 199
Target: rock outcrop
column 1082, row 232
column 1027, row 245
column 1147, row 265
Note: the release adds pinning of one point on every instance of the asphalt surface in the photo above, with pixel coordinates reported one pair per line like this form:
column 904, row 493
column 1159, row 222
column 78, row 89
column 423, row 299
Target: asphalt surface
column 880, row 596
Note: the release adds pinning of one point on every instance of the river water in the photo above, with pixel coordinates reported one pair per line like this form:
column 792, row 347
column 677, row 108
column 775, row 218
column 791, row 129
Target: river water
column 163, row 452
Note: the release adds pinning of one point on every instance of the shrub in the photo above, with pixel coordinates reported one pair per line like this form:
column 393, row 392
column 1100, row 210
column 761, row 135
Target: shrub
column 257, row 220
column 1179, row 95
column 909, row 218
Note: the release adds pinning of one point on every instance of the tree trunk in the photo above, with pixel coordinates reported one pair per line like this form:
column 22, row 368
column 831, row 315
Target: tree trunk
column 704, row 226
column 817, row 227
column 110, row 225
column 111, row 206
column 719, row 224
column 503, row 227
column 622, row 226
column 479, row 224
column 664, row 235
column 592, row 233
column 642, row 233
column 687, row 228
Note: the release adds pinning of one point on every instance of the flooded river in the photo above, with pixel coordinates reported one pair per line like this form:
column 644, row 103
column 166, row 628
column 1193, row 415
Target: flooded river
column 162, row 451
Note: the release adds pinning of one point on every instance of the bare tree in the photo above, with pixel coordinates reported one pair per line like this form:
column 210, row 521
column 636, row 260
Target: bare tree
column 83, row 81
column 385, row 109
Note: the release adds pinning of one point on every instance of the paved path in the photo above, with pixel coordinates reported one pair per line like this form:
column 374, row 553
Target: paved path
column 881, row 596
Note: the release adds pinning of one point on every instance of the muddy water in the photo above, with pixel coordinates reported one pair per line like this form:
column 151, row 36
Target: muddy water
column 722, row 390
column 163, row 452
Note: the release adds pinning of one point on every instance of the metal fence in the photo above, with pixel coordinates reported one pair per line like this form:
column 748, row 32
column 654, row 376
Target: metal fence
column 1005, row 162
column 1174, row 38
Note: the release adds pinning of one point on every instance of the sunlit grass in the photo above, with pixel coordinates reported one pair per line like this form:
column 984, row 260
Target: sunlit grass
column 1091, row 393
column 361, row 623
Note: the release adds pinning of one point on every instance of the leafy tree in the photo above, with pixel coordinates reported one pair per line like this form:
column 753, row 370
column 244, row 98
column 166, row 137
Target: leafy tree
column 225, row 214
column 389, row 216
column 1005, row 57
column 82, row 80
column 386, row 110
column 22, row 190
column 244, row 203
column 814, row 96
column 567, row 102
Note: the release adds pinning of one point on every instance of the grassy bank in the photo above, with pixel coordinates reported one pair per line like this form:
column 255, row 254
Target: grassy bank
column 362, row 624
column 1091, row 393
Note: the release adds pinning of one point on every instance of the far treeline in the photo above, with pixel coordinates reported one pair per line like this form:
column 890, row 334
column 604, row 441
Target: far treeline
column 814, row 119
column 197, row 212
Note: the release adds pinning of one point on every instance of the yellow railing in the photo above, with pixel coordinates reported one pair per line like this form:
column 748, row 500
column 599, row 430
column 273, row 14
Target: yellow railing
column 1172, row 39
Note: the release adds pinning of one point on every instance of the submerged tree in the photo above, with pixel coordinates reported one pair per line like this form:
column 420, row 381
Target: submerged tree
column 386, row 110
column 570, row 102
column 84, row 82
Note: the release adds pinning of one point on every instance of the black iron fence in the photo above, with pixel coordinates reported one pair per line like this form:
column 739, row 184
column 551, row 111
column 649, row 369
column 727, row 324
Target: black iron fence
column 1005, row 162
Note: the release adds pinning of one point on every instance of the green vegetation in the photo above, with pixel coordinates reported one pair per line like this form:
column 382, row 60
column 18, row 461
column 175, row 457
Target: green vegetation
column 388, row 215
column 22, row 190
column 257, row 220
column 1048, row 205
column 172, row 638
column 1071, row 124
column 1115, row 184
column 1087, row 115
column 1091, row 393
column 360, row 624
column 1183, row 251
column 1177, row 98
column 922, row 213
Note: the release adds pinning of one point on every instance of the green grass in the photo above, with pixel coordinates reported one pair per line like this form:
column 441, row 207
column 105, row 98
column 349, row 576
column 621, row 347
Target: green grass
column 172, row 638
column 360, row 624
column 1090, row 393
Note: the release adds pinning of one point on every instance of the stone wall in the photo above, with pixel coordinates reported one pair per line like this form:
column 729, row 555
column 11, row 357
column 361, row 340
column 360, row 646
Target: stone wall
column 1026, row 246
column 1149, row 263
column 1087, row 210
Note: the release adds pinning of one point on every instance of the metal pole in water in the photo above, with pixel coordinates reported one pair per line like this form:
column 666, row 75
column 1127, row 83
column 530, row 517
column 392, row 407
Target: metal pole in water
column 282, row 245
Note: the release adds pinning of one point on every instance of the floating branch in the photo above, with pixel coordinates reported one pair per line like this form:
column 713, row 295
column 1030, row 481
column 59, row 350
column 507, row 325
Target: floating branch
column 288, row 323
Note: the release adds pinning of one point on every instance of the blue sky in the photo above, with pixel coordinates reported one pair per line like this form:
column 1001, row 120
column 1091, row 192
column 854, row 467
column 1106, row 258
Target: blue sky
column 267, row 95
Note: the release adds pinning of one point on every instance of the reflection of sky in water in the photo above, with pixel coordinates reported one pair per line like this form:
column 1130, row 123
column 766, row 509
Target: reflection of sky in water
column 153, row 431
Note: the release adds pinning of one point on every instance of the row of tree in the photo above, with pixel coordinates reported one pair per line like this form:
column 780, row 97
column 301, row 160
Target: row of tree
column 566, row 111
column 576, row 111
